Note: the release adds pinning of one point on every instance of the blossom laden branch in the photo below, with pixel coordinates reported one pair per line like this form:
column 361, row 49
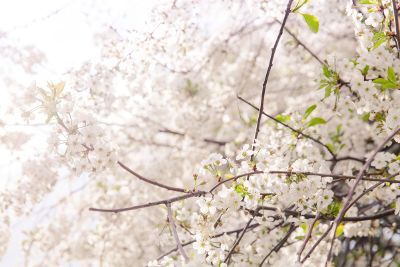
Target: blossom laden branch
column 237, row 241
column 280, row 244
column 236, row 231
column 289, row 127
column 151, row 204
column 308, row 236
column 359, row 176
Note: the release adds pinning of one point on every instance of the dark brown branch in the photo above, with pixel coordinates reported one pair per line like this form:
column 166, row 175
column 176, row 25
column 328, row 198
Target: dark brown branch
column 339, row 176
column 151, row 204
column 200, row 193
column 317, row 243
column 308, row 237
column 289, row 127
column 237, row 241
column 271, row 60
column 207, row 140
column 348, row 158
column 252, row 226
column 140, row 177
column 353, row 188
column 396, row 22
column 280, row 243
column 314, row 55
column 234, row 179
column 366, row 191
column 326, row 218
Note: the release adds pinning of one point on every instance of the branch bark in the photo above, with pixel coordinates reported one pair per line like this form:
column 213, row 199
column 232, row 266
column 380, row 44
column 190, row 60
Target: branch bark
column 140, row 177
column 174, row 232
column 271, row 60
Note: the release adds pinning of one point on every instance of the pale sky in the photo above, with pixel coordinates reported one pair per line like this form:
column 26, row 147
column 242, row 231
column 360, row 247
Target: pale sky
column 63, row 30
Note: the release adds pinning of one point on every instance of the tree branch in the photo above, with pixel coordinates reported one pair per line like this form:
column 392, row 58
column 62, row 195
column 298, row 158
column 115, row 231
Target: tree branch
column 271, row 60
column 140, row 177
column 151, row 204
column 238, row 240
column 252, row 226
column 353, row 188
column 396, row 22
column 280, row 244
column 174, row 232
column 207, row 140
column 290, row 127
column 308, row 237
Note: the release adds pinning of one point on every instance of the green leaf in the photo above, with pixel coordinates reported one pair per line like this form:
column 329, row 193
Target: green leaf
column 365, row 117
column 241, row 190
column 325, row 70
column 299, row 5
column 312, row 22
column 309, row 110
column 328, row 91
column 364, row 71
column 368, row 2
column 316, row 121
column 380, row 81
column 391, row 75
column 331, row 147
column 378, row 39
column 283, row 118
column 304, row 227
column 386, row 84
column 334, row 208
column 339, row 230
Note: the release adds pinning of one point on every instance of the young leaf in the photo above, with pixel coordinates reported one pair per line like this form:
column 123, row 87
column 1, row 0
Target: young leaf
column 368, row 2
column 386, row 84
column 364, row 71
column 339, row 230
column 328, row 91
column 312, row 22
column 391, row 75
column 282, row 118
column 325, row 70
column 316, row 121
column 309, row 110
column 299, row 5
column 378, row 39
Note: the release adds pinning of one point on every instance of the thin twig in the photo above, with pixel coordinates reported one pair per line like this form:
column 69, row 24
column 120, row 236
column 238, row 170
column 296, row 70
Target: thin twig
column 366, row 191
column 353, row 188
column 151, row 204
column 207, row 140
column 140, row 177
column 396, row 22
column 289, row 127
column 201, row 193
column 280, row 243
column 175, row 233
column 234, row 179
column 317, row 243
column 314, row 55
column 252, row 226
column 238, row 240
column 271, row 60
column 326, row 218
column 308, row 237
